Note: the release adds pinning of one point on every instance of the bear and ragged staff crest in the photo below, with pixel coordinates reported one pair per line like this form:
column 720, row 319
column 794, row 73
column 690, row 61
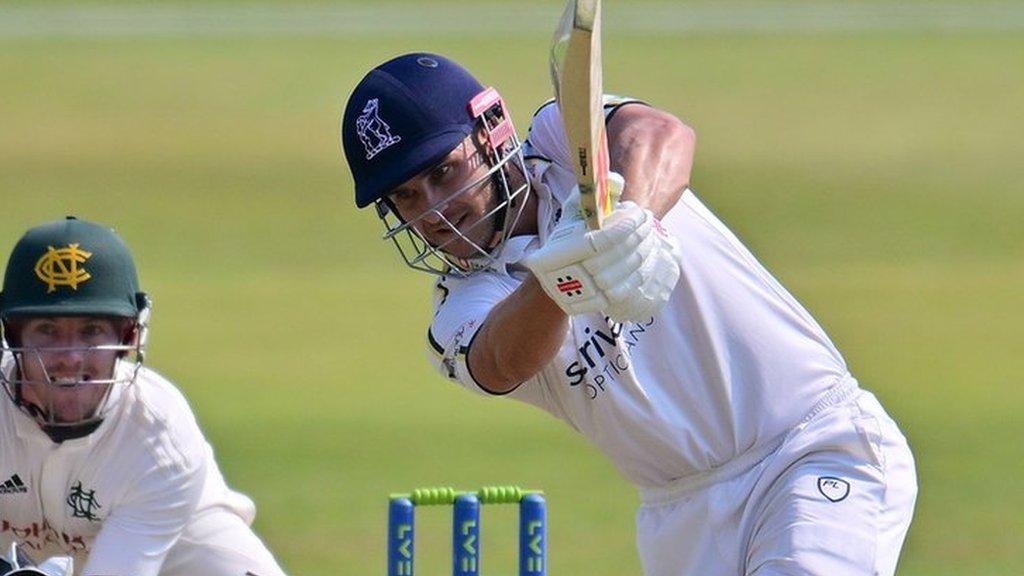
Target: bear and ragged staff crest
column 374, row 132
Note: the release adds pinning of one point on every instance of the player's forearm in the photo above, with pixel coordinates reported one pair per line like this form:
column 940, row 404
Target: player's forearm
column 520, row 336
column 653, row 151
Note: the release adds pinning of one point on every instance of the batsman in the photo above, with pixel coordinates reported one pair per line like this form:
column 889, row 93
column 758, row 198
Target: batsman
column 658, row 335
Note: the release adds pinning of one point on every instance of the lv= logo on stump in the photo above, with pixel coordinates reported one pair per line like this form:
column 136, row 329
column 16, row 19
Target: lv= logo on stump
column 466, row 527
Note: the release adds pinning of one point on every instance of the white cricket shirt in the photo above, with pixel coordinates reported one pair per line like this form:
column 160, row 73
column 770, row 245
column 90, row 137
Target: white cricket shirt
column 730, row 364
column 117, row 499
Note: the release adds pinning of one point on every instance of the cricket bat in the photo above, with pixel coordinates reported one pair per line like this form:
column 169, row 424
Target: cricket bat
column 576, row 77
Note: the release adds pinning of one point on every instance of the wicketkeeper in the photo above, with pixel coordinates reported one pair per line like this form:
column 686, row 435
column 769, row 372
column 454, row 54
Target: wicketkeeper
column 101, row 458
column 660, row 337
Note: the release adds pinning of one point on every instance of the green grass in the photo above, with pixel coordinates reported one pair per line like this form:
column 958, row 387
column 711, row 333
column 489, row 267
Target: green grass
column 878, row 175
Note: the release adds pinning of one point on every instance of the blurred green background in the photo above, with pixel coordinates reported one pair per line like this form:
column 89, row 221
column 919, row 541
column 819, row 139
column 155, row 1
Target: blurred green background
column 868, row 152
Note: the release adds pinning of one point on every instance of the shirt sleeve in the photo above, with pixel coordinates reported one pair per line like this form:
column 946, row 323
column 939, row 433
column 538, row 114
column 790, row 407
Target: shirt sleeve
column 137, row 536
column 546, row 136
column 461, row 306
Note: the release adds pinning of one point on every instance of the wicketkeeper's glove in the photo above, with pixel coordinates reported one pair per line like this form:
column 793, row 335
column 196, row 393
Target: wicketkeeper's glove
column 627, row 269
column 17, row 563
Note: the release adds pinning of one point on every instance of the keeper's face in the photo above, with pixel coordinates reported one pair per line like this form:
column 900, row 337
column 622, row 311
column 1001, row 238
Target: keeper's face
column 452, row 204
column 67, row 363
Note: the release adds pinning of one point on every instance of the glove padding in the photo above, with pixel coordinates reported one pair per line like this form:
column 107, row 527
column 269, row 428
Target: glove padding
column 17, row 563
column 627, row 269
column 653, row 268
column 55, row 566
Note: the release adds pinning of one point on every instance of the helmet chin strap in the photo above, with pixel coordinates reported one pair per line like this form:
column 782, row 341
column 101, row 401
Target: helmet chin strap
column 56, row 433
column 500, row 215
column 61, row 433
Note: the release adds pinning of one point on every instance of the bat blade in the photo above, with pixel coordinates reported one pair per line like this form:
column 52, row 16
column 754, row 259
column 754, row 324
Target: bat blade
column 576, row 77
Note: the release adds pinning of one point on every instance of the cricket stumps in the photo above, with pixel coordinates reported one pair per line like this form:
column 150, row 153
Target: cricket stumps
column 466, row 527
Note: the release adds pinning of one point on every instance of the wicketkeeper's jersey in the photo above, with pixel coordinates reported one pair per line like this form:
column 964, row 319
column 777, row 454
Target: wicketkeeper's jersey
column 730, row 364
column 118, row 499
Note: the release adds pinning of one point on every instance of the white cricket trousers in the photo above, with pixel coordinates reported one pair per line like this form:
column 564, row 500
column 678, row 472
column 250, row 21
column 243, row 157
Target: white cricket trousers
column 219, row 543
column 834, row 498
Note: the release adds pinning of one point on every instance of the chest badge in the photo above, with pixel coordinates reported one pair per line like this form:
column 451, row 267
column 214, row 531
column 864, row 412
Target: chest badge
column 83, row 503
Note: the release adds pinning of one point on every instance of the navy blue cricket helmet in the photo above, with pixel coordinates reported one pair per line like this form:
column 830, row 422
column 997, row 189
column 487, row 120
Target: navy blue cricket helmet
column 408, row 114
column 405, row 115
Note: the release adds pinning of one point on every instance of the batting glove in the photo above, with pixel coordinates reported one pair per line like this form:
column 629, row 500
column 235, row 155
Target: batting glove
column 17, row 563
column 626, row 269
column 648, row 287
column 558, row 266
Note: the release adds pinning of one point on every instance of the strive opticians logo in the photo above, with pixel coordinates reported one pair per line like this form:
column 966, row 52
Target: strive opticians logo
column 604, row 354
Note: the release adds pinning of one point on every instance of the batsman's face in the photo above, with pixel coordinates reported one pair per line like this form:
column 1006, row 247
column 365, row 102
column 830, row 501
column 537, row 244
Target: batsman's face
column 62, row 360
column 452, row 203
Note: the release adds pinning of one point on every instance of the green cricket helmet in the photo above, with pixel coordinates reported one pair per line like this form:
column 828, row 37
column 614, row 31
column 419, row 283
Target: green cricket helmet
column 70, row 268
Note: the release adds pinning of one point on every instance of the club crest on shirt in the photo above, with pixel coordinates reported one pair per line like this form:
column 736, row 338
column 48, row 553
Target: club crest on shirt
column 835, row 489
column 83, row 503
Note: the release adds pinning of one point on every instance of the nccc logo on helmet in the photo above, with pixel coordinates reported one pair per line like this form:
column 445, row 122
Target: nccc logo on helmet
column 61, row 267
